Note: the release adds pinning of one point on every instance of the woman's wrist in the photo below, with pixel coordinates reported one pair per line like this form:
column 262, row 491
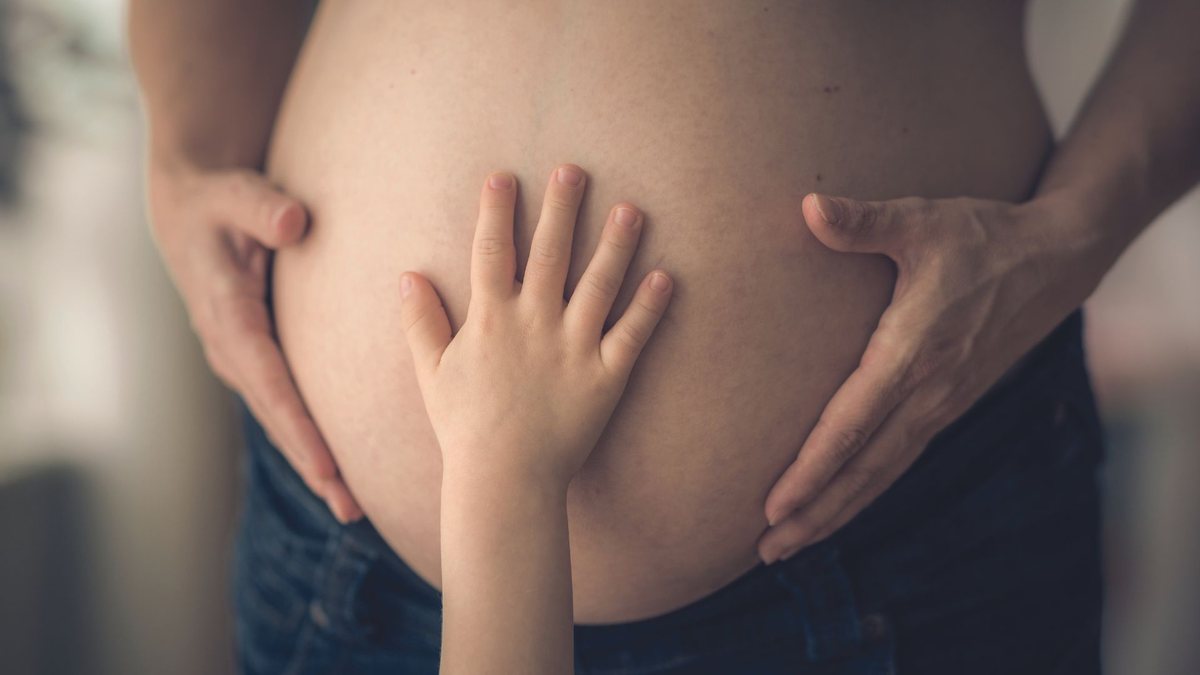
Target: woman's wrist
column 173, row 149
column 484, row 477
column 1090, row 230
column 1101, row 192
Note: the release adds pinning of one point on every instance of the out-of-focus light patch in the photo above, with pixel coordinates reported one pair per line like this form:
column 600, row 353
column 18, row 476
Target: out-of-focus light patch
column 68, row 323
column 1064, row 69
column 79, row 350
column 23, row 409
column 99, row 24
column 83, row 259
column 69, row 60
column 1143, row 321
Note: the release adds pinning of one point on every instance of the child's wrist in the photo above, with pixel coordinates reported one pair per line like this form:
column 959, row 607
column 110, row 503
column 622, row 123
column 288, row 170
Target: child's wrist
column 480, row 469
column 482, row 498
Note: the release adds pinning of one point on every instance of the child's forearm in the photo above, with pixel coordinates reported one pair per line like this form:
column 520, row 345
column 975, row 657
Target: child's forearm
column 518, row 399
column 506, row 575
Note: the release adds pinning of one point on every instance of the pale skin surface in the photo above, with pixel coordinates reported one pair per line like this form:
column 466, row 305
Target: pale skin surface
column 766, row 321
column 762, row 111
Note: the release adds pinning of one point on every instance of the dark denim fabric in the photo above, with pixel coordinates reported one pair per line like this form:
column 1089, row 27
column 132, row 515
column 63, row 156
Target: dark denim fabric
column 984, row 557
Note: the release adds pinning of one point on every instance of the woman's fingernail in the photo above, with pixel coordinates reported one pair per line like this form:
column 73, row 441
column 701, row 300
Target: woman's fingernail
column 660, row 282
column 340, row 516
column 829, row 209
column 569, row 175
column 789, row 552
column 771, row 558
column 773, row 519
column 626, row 217
column 337, row 508
column 405, row 285
column 282, row 217
column 500, row 181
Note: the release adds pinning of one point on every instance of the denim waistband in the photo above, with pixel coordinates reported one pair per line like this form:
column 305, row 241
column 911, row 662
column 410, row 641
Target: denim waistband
column 1054, row 368
column 1055, row 365
column 270, row 470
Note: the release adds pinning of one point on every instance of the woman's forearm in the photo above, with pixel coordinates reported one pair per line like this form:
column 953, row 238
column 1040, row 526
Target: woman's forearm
column 212, row 74
column 506, row 575
column 1135, row 147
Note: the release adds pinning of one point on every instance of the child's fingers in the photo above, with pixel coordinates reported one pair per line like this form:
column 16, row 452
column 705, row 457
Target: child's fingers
column 550, row 250
column 593, row 296
column 493, row 256
column 426, row 326
column 624, row 341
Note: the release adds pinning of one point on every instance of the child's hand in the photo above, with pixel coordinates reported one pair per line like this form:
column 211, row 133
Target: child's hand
column 528, row 383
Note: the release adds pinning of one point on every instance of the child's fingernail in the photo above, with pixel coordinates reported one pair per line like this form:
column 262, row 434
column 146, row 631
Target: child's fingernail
column 660, row 282
column 499, row 181
column 626, row 217
column 405, row 286
column 569, row 175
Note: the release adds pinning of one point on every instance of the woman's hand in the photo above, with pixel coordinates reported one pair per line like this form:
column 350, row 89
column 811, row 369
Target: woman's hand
column 978, row 284
column 529, row 382
column 216, row 231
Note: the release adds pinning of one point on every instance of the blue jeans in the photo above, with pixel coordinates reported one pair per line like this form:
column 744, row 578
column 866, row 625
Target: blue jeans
column 984, row 557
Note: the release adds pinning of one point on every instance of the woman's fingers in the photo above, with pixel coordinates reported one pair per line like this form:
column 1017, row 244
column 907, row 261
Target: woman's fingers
column 891, row 450
column 550, row 250
column 493, row 256
column 849, row 420
column 247, row 202
column 266, row 386
column 593, row 296
column 265, row 382
column 623, row 343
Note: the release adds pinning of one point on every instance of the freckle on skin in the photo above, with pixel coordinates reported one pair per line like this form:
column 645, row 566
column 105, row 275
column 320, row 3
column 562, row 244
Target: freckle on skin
column 818, row 178
column 412, row 71
column 904, row 130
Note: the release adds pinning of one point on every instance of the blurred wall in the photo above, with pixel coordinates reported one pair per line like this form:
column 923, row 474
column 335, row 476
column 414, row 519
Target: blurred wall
column 1143, row 339
column 118, row 456
column 99, row 374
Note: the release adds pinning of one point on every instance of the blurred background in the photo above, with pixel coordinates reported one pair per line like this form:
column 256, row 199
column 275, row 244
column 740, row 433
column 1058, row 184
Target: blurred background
column 118, row 450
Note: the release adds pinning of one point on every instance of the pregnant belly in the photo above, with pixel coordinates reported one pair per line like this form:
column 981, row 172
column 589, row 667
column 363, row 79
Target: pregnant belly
column 392, row 120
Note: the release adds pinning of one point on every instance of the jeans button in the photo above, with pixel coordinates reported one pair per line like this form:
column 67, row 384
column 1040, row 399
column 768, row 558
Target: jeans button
column 317, row 613
column 873, row 626
column 1060, row 413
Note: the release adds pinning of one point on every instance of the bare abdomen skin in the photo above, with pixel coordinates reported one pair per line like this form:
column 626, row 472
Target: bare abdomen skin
column 715, row 118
